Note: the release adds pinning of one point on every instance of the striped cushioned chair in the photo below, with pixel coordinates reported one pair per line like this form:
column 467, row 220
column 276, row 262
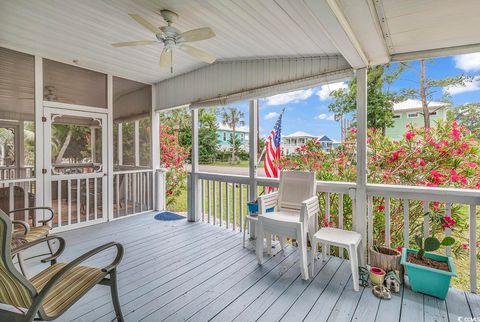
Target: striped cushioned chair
column 50, row 293
column 32, row 233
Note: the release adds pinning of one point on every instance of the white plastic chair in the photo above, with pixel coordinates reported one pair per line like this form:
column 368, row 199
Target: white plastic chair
column 296, row 210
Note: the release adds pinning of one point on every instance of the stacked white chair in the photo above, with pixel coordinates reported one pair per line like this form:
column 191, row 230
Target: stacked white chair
column 295, row 215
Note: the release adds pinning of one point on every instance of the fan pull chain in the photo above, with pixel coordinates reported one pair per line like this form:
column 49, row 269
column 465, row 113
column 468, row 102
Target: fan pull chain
column 171, row 61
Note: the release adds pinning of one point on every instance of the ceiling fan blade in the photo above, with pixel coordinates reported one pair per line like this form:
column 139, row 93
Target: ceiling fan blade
column 144, row 22
column 198, row 53
column 133, row 43
column 166, row 58
column 197, row 34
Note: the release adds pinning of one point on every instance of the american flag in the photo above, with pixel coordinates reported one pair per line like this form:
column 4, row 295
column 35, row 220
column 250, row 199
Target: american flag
column 272, row 149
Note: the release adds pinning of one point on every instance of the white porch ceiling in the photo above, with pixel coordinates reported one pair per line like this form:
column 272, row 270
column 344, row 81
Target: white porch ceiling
column 412, row 29
column 364, row 32
column 429, row 24
column 68, row 30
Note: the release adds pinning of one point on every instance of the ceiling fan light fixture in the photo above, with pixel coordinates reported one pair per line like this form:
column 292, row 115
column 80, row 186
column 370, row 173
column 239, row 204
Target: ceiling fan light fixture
column 172, row 38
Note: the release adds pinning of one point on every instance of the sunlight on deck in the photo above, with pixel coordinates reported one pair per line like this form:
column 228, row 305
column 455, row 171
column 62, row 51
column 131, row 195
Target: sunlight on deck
column 194, row 271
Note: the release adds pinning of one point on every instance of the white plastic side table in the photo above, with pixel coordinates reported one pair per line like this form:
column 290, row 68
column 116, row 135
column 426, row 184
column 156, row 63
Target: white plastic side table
column 350, row 240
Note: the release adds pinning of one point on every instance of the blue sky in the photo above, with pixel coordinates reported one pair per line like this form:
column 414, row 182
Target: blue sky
column 307, row 110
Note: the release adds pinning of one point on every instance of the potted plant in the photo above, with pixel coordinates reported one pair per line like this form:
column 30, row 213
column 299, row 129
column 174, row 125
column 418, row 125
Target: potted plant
column 429, row 273
column 387, row 259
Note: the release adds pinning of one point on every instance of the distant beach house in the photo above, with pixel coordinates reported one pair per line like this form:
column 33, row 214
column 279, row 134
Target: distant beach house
column 224, row 136
column 291, row 142
column 410, row 111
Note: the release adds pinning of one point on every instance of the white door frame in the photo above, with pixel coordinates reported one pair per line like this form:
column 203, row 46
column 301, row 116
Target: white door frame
column 74, row 110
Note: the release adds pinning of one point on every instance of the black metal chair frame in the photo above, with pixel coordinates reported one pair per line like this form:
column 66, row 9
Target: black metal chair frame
column 26, row 228
column 35, row 311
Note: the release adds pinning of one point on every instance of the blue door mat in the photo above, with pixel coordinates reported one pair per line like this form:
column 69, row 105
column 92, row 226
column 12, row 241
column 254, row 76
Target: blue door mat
column 167, row 216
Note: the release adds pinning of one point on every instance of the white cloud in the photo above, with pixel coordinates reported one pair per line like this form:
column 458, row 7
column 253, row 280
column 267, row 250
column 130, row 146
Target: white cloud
column 271, row 115
column 326, row 90
column 292, row 97
column 327, row 117
column 468, row 62
column 471, row 86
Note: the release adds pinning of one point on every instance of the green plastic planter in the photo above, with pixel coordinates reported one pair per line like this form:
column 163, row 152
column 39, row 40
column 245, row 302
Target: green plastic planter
column 428, row 280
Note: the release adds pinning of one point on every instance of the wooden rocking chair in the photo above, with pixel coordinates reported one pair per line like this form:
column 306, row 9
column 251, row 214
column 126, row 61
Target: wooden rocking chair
column 47, row 295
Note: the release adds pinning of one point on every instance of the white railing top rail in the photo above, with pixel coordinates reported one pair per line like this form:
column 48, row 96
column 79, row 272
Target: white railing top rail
column 3, row 182
column 450, row 195
column 224, row 178
column 3, row 167
column 74, row 176
column 322, row 186
column 133, row 171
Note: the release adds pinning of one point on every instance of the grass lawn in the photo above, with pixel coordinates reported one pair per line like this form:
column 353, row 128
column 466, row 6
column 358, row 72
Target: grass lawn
column 217, row 207
column 180, row 203
column 462, row 281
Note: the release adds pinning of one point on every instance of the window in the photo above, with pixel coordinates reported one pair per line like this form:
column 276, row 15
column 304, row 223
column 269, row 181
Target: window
column 396, row 116
column 17, row 131
column 17, row 115
column 132, row 104
column 412, row 115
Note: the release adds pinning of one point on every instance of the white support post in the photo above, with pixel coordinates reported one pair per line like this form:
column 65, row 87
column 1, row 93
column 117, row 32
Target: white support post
column 159, row 175
column 253, row 134
column 359, row 223
column 194, row 196
column 109, row 128
column 40, row 188
column 137, row 143
column 253, row 162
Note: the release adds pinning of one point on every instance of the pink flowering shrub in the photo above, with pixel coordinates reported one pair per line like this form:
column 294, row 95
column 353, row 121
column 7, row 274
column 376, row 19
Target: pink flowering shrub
column 444, row 156
column 172, row 157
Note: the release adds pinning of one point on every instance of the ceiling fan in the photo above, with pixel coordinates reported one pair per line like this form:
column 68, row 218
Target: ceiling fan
column 172, row 38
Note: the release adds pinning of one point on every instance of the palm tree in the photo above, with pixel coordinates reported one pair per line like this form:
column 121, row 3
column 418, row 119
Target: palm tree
column 178, row 119
column 232, row 117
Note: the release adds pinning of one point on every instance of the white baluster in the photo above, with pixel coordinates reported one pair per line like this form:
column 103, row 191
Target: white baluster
column 69, row 192
column 387, row 222
column 406, row 223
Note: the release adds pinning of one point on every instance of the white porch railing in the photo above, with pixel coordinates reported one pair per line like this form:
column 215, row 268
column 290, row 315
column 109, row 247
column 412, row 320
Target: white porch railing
column 17, row 193
column 132, row 192
column 12, row 172
column 407, row 197
column 77, row 199
column 224, row 198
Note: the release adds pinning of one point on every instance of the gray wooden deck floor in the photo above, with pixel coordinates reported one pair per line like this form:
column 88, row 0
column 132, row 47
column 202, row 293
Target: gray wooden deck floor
column 176, row 271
